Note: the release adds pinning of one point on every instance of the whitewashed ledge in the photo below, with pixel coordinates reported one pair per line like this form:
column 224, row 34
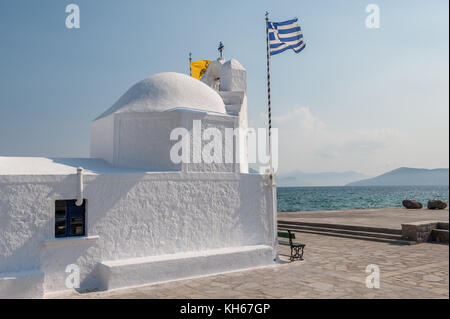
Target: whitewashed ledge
column 69, row 241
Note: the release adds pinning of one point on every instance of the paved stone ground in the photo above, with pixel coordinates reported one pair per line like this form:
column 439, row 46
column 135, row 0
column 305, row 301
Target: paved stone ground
column 333, row 268
column 385, row 217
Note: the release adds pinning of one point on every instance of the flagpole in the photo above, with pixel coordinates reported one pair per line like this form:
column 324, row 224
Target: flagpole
column 271, row 171
column 190, row 60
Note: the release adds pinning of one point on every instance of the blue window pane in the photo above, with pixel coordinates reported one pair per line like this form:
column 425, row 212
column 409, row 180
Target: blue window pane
column 69, row 218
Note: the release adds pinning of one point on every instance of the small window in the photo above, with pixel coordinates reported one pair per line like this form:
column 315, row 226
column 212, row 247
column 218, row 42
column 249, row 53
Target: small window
column 69, row 218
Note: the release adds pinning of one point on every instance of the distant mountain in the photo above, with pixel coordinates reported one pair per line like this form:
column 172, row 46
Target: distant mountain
column 407, row 176
column 298, row 178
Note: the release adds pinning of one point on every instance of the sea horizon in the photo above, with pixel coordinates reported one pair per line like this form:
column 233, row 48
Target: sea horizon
column 318, row 198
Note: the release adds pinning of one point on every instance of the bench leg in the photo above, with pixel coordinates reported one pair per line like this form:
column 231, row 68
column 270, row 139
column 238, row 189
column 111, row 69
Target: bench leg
column 296, row 253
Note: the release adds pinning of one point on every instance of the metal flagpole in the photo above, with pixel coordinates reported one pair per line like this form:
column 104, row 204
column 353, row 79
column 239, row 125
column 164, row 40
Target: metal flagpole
column 190, row 60
column 271, row 171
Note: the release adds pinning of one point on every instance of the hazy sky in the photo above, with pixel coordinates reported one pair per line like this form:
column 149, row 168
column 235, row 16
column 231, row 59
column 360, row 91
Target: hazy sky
column 359, row 99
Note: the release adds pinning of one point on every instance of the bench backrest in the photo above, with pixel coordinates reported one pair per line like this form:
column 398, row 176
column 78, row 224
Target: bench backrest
column 286, row 234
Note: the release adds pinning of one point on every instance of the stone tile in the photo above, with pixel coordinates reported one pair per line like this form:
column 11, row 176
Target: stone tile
column 432, row 278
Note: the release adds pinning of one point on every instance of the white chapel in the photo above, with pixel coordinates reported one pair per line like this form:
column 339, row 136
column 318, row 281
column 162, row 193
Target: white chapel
column 166, row 194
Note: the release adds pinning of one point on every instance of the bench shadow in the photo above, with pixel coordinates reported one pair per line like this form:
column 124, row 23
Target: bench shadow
column 283, row 261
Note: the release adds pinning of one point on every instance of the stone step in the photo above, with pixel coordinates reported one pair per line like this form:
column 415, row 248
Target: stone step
column 439, row 236
column 233, row 109
column 368, row 238
column 346, row 227
column 130, row 272
column 443, row 225
column 343, row 231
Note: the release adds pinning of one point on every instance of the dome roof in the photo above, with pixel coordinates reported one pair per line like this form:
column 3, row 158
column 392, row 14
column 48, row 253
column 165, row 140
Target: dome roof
column 165, row 91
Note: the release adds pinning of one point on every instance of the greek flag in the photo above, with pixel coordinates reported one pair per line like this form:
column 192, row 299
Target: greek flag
column 285, row 35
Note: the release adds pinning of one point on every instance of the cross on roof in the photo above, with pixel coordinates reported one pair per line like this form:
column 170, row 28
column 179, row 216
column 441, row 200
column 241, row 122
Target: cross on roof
column 220, row 48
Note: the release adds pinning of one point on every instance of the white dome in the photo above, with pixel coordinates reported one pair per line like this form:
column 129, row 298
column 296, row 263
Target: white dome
column 165, row 91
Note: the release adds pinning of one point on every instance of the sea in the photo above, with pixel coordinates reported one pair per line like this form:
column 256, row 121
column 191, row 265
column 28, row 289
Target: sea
column 292, row 199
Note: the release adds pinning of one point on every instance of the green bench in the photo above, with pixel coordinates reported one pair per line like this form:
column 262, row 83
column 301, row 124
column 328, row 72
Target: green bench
column 296, row 248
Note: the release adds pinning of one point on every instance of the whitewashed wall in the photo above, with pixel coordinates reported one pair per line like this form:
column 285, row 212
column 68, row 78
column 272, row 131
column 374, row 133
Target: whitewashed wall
column 219, row 123
column 142, row 140
column 134, row 215
column 102, row 139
